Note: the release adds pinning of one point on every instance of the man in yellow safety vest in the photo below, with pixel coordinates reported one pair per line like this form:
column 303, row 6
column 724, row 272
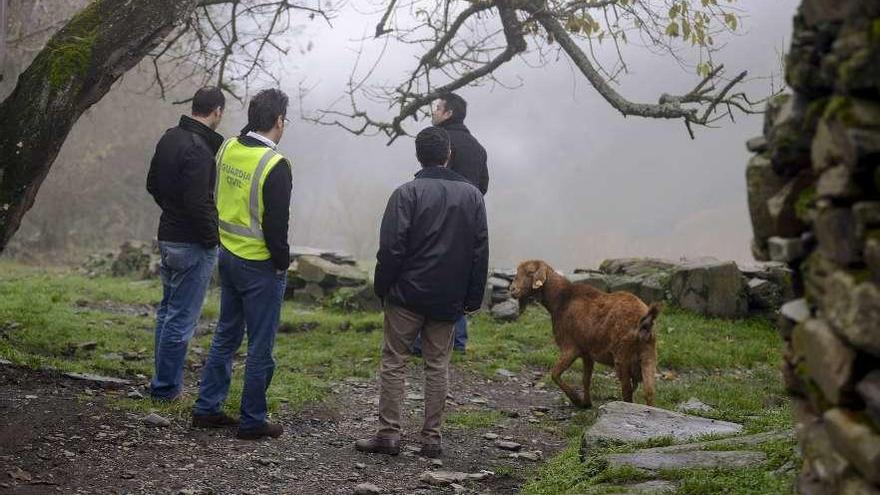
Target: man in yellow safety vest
column 253, row 189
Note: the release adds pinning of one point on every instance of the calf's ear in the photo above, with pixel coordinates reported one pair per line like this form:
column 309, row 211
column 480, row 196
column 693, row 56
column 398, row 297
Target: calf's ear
column 539, row 277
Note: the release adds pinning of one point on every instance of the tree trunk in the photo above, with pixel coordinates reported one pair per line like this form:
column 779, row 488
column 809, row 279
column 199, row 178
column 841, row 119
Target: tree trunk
column 75, row 69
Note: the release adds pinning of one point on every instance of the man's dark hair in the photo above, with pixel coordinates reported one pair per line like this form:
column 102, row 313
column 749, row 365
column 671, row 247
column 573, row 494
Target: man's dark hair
column 455, row 103
column 432, row 146
column 265, row 108
column 206, row 100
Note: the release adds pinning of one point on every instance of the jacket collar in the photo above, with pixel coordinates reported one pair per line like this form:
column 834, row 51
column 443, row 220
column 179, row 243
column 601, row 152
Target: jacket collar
column 454, row 124
column 211, row 137
column 439, row 173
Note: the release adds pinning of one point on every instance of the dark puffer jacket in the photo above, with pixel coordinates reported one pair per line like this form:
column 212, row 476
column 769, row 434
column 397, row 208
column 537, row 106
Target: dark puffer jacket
column 181, row 180
column 434, row 246
column 468, row 155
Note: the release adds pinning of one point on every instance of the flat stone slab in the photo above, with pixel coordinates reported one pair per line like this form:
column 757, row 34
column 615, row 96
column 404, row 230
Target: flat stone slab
column 627, row 422
column 743, row 441
column 104, row 381
column 654, row 461
column 443, row 478
column 655, row 487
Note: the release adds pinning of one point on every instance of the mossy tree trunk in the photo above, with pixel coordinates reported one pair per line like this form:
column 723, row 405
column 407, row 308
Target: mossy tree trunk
column 75, row 69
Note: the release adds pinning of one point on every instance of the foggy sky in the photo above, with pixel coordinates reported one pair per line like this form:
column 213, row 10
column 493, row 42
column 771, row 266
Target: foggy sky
column 571, row 180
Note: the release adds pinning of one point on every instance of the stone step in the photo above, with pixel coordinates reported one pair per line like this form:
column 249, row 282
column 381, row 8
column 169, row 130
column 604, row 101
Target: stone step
column 654, row 461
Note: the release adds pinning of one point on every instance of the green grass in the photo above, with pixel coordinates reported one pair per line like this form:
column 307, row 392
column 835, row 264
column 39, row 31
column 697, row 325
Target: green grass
column 731, row 365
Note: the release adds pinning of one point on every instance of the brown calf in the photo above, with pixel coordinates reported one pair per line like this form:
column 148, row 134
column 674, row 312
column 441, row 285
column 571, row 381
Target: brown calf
column 614, row 329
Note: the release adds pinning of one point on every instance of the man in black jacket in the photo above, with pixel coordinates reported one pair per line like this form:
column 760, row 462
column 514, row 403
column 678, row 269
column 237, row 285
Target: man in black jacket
column 468, row 160
column 181, row 180
column 432, row 264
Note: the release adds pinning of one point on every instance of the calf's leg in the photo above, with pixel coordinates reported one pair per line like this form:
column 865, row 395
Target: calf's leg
column 649, row 367
column 588, row 378
column 625, row 378
column 562, row 364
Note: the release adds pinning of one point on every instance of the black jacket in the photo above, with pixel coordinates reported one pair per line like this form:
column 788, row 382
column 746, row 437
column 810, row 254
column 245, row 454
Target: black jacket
column 434, row 246
column 468, row 156
column 181, row 180
column 276, row 207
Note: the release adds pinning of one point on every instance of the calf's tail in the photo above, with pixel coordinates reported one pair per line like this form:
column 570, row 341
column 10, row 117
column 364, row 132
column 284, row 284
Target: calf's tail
column 646, row 323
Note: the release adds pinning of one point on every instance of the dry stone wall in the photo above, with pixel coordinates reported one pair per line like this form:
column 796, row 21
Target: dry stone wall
column 813, row 197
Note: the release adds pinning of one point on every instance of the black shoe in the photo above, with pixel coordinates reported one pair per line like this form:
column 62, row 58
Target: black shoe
column 377, row 445
column 267, row 429
column 432, row 450
column 221, row 420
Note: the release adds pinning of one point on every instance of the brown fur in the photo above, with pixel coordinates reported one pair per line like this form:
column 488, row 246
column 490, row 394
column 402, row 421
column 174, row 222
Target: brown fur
column 615, row 329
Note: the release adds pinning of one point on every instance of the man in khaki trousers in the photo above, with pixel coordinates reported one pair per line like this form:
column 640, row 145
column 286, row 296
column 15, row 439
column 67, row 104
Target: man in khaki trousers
column 432, row 265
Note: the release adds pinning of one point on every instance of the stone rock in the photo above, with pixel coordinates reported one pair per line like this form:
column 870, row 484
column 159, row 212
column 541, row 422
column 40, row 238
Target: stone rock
column 154, row 419
column 791, row 314
column 869, row 390
column 507, row 445
column 651, row 461
column 328, row 274
column 102, row 381
column 709, row 287
column 829, row 361
column 782, row 207
column 694, row 405
column 443, row 478
column 136, row 259
column 757, row 144
column 818, row 452
column 762, row 183
column 648, row 287
column 366, row 489
column 506, row 311
column 867, row 216
column 490, row 436
column 857, row 486
column 837, row 183
column 628, row 422
column 856, row 441
column 595, row 280
column 653, row 487
column 498, row 282
column 853, row 309
column 835, row 230
column 361, row 298
column 723, row 444
column 529, row 455
column 789, row 139
column 636, row 266
column 872, row 257
column 796, row 311
column 763, row 294
column 505, row 373
column 786, row 249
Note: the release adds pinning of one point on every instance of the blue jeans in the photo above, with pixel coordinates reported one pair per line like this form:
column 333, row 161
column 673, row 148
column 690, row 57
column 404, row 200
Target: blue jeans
column 459, row 342
column 186, row 272
column 250, row 298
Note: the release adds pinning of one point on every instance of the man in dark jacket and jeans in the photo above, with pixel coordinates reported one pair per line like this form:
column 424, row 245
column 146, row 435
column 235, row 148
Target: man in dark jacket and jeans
column 468, row 160
column 432, row 265
column 181, row 180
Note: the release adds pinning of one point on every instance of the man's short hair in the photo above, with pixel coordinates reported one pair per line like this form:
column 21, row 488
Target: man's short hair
column 206, row 100
column 455, row 103
column 432, row 146
column 265, row 108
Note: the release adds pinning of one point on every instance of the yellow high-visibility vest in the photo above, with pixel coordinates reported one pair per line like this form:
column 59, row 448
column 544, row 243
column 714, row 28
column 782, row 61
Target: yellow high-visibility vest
column 241, row 173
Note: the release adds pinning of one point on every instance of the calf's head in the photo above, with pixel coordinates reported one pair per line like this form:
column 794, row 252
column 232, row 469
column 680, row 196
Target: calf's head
column 530, row 278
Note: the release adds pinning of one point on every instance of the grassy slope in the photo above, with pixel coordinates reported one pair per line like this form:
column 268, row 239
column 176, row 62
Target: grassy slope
column 45, row 313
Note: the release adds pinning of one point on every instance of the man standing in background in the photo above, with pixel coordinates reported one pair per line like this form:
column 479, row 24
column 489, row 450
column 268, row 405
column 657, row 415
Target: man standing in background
column 432, row 264
column 468, row 160
column 181, row 180
column 254, row 184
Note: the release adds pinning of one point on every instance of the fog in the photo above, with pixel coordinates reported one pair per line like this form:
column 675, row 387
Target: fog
column 571, row 180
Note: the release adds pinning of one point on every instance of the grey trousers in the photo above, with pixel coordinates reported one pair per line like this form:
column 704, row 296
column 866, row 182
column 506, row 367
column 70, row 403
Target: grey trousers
column 401, row 328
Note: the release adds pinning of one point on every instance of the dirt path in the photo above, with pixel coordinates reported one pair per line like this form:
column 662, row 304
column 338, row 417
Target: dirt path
column 57, row 438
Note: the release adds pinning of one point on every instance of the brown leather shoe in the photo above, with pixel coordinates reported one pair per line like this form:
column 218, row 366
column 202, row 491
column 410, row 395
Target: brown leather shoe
column 273, row 430
column 221, row 420
column 378, row 445
column 431, row 450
